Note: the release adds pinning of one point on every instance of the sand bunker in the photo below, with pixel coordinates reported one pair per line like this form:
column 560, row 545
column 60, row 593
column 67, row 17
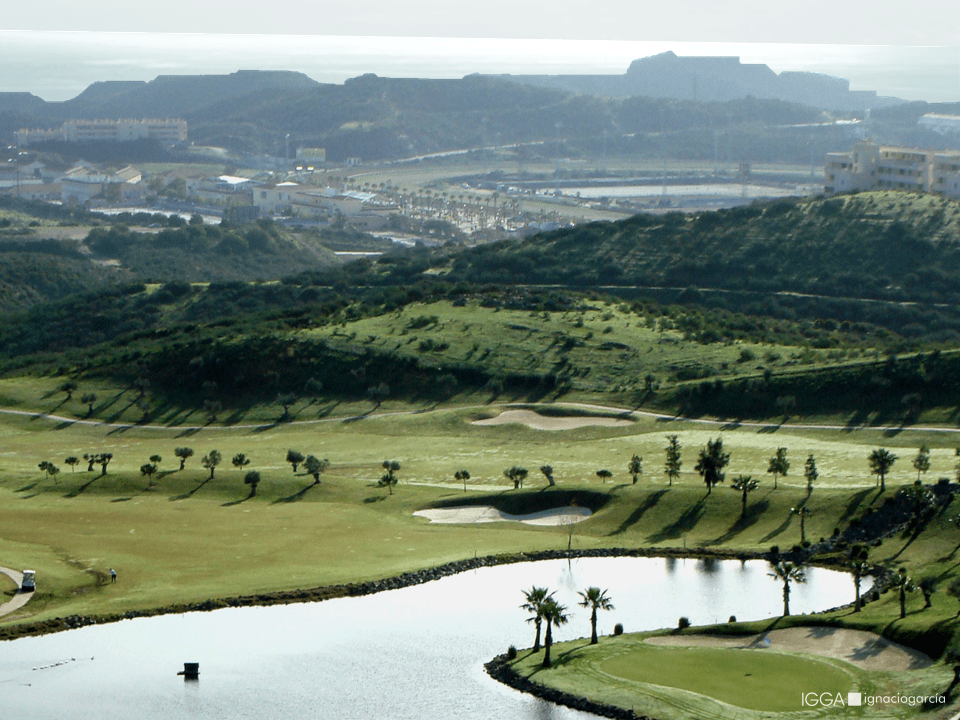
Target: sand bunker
column 485, row 513
column 863, row 649
column 544, row 422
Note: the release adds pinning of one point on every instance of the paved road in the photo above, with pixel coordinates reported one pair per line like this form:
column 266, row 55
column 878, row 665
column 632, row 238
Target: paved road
column 20, row 599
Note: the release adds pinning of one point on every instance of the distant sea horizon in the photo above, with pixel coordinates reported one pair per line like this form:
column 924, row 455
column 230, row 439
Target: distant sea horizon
column 58, row 66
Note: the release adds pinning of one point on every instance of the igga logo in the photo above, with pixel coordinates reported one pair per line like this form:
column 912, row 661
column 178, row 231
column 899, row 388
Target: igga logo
column 822, row 700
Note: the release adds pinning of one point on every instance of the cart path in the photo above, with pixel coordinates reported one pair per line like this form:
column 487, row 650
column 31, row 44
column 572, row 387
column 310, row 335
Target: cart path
column 624, row 413
column 20, row 599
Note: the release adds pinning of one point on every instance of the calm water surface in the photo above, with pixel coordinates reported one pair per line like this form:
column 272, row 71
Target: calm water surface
column 411, row 653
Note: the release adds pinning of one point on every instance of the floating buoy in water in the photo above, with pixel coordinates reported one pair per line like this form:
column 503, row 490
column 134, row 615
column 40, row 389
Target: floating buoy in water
column 191, row 671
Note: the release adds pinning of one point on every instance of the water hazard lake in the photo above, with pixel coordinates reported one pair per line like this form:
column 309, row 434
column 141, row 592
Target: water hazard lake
column 410, row 653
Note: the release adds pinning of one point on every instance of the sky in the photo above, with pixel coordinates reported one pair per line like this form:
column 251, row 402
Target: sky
column 56, row 48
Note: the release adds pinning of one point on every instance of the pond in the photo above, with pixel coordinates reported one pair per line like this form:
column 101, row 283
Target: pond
column 407, row 653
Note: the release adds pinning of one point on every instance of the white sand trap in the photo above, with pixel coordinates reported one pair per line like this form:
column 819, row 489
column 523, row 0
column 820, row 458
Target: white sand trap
column 485, row 513
column 544, row 422
column 864, row 649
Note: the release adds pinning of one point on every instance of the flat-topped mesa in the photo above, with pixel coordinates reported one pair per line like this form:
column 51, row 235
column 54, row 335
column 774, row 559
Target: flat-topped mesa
column 707, row 79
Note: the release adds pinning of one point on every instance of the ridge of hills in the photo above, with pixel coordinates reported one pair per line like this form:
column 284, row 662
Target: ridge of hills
column 819, row 290
column 715, row 79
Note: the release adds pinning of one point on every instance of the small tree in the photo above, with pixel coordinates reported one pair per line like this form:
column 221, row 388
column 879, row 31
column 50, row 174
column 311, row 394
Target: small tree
column 183, row 453
column 927, row 586
column 744, row 484
column 240, row 461
column 314, row 466
column 68, row 387
column 779, row 465
column 880, row 462
column 635, row 467
column 921, row 463
column 50, row 469
column 148, row 470
column 517, row 474
column 711, row 462
column 295, row 457
column 91, row 459
column 462, row 476
column 72, row 462
column 802, row 512
column 89, row 399
column 904, row 584
column 212, row 408
column 595, row 599
column 286, row 400
column 953, row 590
column 787, row 572
column 252, row 479
column 673, row 463
column 859, row 566
column 604, row 475
column 810, row 472
column 389, row 478
column 103, row 459
column 211, row 460
column 547, row 472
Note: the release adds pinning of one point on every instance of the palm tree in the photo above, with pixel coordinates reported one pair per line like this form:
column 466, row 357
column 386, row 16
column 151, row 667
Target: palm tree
column 779, row 465
column 858, row 563
column 635, row 468
column 462, row 475
column 554, row 614
column 787, row 572
column 881, row 460
column 517, row 475
column 535, row 597
column 595, row 599
column 240, row 461
column 745, row 484
column 604, row 475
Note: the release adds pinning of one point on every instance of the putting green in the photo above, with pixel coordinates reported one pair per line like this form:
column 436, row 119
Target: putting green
column 751, row 679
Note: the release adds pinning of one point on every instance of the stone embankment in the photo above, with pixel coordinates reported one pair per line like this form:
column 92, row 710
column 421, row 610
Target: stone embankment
column 499, row 669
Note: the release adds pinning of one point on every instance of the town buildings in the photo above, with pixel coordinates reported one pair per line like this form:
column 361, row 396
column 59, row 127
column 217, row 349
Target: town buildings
column 165, row 131
column 883, row 167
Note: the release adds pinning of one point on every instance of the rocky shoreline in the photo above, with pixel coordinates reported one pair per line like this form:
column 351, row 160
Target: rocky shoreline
column 500, row 669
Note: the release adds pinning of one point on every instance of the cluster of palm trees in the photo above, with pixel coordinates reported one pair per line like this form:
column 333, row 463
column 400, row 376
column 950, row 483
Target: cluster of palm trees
column 543, row 608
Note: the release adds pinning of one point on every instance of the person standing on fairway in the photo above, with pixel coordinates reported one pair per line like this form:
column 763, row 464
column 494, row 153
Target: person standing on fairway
column 113, row 575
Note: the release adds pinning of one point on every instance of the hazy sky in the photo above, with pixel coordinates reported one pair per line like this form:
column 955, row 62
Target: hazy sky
column 56, row 48
column 862, row 22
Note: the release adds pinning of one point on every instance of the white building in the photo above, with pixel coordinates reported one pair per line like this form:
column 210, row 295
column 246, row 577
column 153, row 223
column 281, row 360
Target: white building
column 869, row 167
column 165, row 131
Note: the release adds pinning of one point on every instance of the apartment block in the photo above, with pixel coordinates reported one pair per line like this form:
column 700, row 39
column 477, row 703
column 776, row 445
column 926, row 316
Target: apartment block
column 882, row 167
column 165, row 131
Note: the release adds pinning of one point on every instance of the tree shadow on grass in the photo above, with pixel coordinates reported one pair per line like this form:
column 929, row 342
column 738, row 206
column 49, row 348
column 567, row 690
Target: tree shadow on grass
column 189, row 493
column 559, row 659
column 743, row 522
column 187, row 432
column 778, row 530
column 297, row 496
column 686, row 522
column 265, row 428
column 649, row 502
column 854, row 504
column 83, row 487
column 27, row 488
column 374, row 499
column 238, row 502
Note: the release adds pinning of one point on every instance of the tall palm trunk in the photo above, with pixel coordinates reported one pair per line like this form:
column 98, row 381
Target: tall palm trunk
column 548, row 641
column 536, row 641
column 593, row 626
column 786, row 598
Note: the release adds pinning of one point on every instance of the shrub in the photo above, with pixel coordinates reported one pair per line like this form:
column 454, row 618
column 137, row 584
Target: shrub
column 732, row 619
column 683, row 623
column 512, row 652
column 618, row 629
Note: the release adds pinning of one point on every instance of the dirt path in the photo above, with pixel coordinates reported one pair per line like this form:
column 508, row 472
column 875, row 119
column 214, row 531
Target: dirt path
column 864, row 649
column 20, row 599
